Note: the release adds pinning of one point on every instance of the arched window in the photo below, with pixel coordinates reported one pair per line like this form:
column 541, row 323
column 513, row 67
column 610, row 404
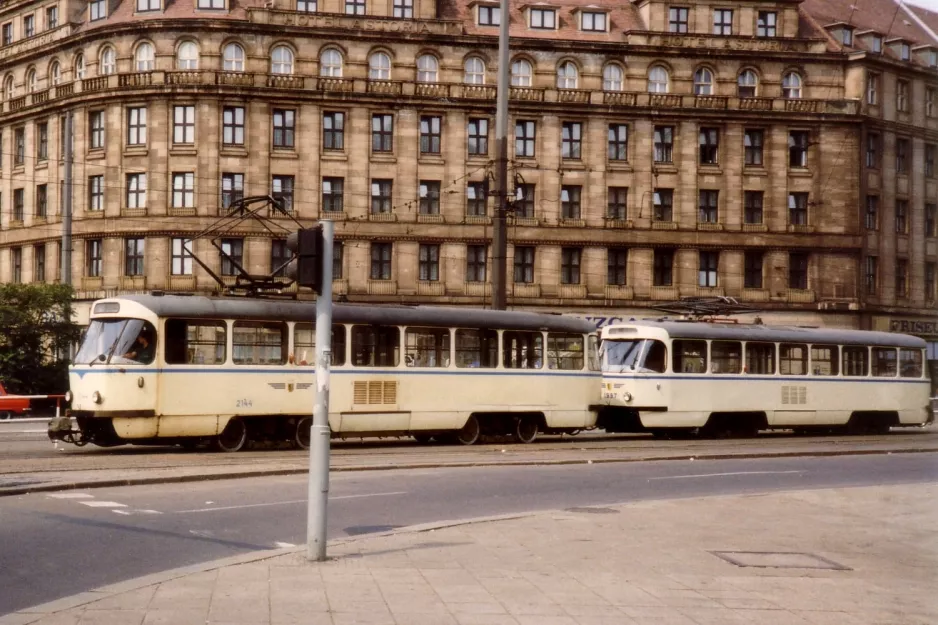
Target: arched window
column 187, row 56
column 703, row 82
column 143, row 59
column 55, row 73
column 281, row 60
column 330, row 63
column 233, row 58
column 747, row 84
column 379, row 66
column 31, row 80
column 791, row 86
column 567, row 75
column 8, row 91
column 428, row 68
column 475, row 71
column 521, row 73
column 658, row 80
column 107, row 64
column 612, row 78
column 79, row 67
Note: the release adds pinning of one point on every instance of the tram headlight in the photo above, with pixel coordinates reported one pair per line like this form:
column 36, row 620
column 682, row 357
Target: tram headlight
column 68, row 396
column 96, row 397
column 627, row 396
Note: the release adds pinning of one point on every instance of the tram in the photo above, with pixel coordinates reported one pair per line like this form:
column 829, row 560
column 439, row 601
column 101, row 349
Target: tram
column 669, row 376
column 168, row 369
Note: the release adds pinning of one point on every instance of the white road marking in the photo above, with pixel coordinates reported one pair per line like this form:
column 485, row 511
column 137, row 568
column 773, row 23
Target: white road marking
column 684, row 477
column 70, row 496
column 280, row 545
column 286, row 503
column 124, row 512
column 133, row 512
column 102, row 504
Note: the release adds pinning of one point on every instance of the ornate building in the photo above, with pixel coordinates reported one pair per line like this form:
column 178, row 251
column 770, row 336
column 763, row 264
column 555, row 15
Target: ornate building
column 778, row 151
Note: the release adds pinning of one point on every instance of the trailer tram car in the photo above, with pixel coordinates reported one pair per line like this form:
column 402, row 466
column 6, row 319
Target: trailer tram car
column 230, row 371
column 705, row 377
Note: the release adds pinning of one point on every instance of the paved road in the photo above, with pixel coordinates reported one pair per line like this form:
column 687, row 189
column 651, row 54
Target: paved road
column 62, row 543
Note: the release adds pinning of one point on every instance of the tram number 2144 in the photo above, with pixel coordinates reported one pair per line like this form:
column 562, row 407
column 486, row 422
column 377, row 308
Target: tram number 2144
column 243, row 403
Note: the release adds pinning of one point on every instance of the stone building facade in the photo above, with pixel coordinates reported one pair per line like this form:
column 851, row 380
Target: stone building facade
column 661, row 149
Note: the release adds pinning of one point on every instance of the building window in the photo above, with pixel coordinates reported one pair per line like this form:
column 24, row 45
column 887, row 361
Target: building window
column 525, row 131
column 181, row 257
column 570, row 201
column 282, row 189
column 338, row 260
column 872, row 89
column 136, row 191
column 658, row 80
column 798, row 149
column 902, row 216
column 567, row 76
column 148, row 5
column 709, row 206
column 752, row 143
column 474, row 71
column 55, row 74
column 664, row 144
column 428, row 68
column 521, row 73
column 616, row 263
column 42, row 201
column 571, row 140
column 429, row 197
column 134, row 252
column 52, row 17
column 96, row 129
column 931, row 220
column 330, row 63
column 929, row 160
column 707, row 270
column 902, row 96
column 709, row 146
column 382, row 132
column 930, row 294
column 232, row 256
column 19, row 204
column 184, row 124
column 931, row 96
column 96, row 193
column 663, row 267
column 16, row 260
column 663, row 200
column 233, row 125
column 7, row 36
column 872, row 275
column 280, row 257
column 143, row 58
column 747, row 84
column 872, row 212
column 284, row 128
column 108, row 62
column 333, row 200
column 137, row 125
column 404, row 9
column 593, row 21
column 19, row 139
column 354, row 7
column 617, row 203
column 39, row 262
column 381, row 261
column 430, row 134
column 233, row 58
column 753, row 203
column 703, row 82
column 475, row 263
column 333, row 130
column 232, row 189
column 524, row 201
column 97, row 9
column 798, row 270
column 478, row 137
column 722, row 22
column 766, row 23
column 381, row 196
column 798, row 209
column 872, row 150
column 543, row 18
column 489, row 16
column 211, row 4
column 791, row 86
column 281, row 60
column 570, row 265
column 618, row 142
column 905, row 52
column 379, row 66
column 42, row 141
column 524, row 264
column 902, row 156
column 902, row 278
column 752, row 269
column 429, row 263
column 476, row 199
column 677, row 20
column 183, row 190
column 613, row 78
column 187, row 56
column 93, row 258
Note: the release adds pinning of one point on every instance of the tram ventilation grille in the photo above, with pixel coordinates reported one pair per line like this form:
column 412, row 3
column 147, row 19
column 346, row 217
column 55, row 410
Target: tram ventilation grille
column 794, row 395
column 372, row 392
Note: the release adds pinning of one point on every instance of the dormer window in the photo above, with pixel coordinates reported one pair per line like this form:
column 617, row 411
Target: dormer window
column 543, row 18
column 212, row 4
column 97, row 10
column 148, row 5
column 847, row 36
column 876, row 44
column 489, row 16
column 905, row 51
column 593, row 21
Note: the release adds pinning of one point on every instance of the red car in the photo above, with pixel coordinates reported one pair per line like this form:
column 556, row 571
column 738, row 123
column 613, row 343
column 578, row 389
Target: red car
column 12, row 405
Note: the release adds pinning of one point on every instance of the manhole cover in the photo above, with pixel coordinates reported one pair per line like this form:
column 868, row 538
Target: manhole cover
column 779, row 560
column 594, row 510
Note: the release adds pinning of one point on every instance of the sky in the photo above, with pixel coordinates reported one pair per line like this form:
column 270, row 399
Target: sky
column 931, row 5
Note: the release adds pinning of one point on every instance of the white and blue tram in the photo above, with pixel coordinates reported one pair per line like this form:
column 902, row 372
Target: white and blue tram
column 188, row 369
column 665, row 376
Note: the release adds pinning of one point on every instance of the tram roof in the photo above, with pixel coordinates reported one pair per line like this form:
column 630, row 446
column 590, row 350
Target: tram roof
column 198, row 307
column 759, row 332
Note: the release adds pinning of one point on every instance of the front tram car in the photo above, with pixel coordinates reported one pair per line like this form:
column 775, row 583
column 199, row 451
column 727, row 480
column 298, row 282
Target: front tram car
column 165, row 369
column 669, row 376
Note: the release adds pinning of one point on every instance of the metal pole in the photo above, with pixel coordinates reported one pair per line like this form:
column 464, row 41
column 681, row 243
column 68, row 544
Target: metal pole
column 66, row 260
column 320, row 433
column 499, row 225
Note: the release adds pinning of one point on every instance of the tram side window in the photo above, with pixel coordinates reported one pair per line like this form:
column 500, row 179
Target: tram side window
column 793, row 359
column 523, row 350
column 191, row 342
column 593, row 353
column 884, row 362
column 760, row 358
column 304, row 344
column 855, row 361
column 376, row 346
column 426, row 347
column 565, row 351
column 910, row 363
column 726, row 357
column 477, row 348
column 259, row 343
column 690, row 356
column 824, row 359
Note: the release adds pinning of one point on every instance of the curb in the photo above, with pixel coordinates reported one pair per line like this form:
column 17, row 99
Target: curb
column 139, row 481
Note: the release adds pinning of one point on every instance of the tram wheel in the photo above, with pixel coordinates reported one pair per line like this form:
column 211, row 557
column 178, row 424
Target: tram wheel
column 301, row 436
column 525, row 429
column 469, row 434
column 234, row 437
column 423, row 439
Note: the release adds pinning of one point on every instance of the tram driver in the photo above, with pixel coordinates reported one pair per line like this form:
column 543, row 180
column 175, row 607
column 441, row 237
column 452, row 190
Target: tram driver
column 142, row 349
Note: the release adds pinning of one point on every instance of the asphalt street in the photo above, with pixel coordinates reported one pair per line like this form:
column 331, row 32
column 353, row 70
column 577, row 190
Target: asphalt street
column 58, row 544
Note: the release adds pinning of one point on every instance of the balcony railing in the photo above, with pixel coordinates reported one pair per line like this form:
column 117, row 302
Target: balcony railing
column 382, row 287
column 574, row 96
column 428, row 287
column 384, row 87
column 573, row 291
column 526, row 290
column 336, row 85
column 619, row 291
column 234, row 79
column 187, row 77
column 478, row 289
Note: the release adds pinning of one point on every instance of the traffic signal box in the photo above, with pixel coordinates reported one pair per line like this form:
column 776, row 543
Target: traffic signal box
column 306, row 245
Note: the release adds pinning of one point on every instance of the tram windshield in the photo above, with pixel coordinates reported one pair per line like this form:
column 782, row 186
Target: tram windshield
column 642, row 355
column 117, row 341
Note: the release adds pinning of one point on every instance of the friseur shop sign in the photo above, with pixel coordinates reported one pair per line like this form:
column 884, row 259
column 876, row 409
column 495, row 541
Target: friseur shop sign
column 914, row 326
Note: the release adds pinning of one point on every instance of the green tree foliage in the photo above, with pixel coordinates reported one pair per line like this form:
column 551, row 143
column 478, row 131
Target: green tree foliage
column 36, row 331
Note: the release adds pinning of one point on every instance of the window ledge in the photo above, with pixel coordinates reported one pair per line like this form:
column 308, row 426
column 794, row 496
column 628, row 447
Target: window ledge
column 619, row 165
column 284, row 153
column 709, row 170
column 800, row 172
column 334, row 155
column 664, row 168
column 431, row 159
column 94, row 214
column 233, row 150
column 43, row 164
column 95, row 154
column 755, row 170
column 133, row 150
column 183, row 151
column 383, row 157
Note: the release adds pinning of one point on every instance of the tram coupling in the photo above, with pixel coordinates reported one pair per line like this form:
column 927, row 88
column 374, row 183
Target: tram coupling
column 61, row 429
